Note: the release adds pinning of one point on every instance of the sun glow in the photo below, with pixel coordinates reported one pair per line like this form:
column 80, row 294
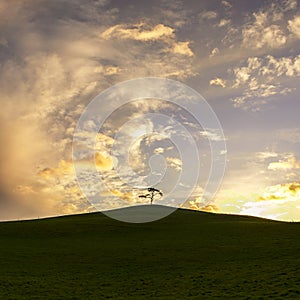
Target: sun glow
column 279, row 202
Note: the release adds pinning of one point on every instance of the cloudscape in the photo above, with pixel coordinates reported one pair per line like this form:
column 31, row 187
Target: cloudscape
column 241, row 56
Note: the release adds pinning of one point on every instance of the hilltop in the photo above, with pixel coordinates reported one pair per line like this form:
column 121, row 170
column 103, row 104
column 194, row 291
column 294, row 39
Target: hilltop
column 189, row 254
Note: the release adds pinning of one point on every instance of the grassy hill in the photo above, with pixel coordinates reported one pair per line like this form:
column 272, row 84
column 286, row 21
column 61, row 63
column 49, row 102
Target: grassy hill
column 188, row 255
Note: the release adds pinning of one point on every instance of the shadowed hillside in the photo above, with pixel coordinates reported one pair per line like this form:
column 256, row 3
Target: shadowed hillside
column 189, row 254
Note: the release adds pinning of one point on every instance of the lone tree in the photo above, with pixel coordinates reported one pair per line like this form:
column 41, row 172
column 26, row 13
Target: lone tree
column 152, row 193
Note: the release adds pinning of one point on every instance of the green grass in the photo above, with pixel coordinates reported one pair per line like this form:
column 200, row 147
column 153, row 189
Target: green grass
column 188, row 255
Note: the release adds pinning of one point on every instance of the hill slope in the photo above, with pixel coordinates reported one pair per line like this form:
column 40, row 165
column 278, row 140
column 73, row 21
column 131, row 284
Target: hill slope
column 189, row 254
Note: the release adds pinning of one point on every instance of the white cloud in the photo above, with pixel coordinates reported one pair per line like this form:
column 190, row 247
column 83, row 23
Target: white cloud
column 267, row 28
column 208, row 15
column 289, row 4
column 294, row 26
column 214, row 52
column 223, row 152
column 175, row 163
column 242, row 75
column 266, row 155
column 157, row 51
column 159, row 150
column 213, row 135
column 224, row 22
column 226, row 4
column 138, row 32
column 260, row 78
column 258, row 34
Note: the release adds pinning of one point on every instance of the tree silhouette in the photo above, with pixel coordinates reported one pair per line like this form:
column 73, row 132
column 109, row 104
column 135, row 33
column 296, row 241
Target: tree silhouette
column 152, row 193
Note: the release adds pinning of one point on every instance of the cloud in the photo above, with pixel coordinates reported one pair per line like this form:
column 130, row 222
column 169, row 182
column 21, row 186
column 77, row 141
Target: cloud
column 224, row 22
column 289, row 5
column 261, row 78
column 155, row 50
column 226, row 4
column 218, row 81
column 197, row 206
column 57, row 191
column 134, row 145
column 24, row 146
column 120, row 197
column 25, row 189
column 214, row 52
column 286, row 164
column 212, row 134
column 267, row 29
column 53, row 62
column 197, row 201
column 279, row 202
column 43, row 81
column 103, row 161
column 285, row 191
column 138, row 33
column 291, row 135
column 63, row 168
column 259, row 34
column 159, row 150
column 294, row 26
column 266, row 155
column 129, row 197
column 287, row 66
column 208, row 15
column 112, row 70
column 175, row 163
column 182, row 48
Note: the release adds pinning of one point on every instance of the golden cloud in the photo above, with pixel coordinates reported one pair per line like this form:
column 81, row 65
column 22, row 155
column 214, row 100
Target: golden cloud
column 127, row 196
column 24, row 189
column 58, row 77
column 278, row 202
column 285, row 191
column 182, row 48
column 197, row 205
column 103, row 161
column 63, row 168
column 218, row 81
column 288, row 164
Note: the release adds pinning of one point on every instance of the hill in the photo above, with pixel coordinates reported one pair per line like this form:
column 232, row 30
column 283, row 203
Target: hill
column 187, row 255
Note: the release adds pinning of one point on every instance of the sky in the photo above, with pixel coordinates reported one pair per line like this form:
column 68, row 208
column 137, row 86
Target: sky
column 56, row 56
